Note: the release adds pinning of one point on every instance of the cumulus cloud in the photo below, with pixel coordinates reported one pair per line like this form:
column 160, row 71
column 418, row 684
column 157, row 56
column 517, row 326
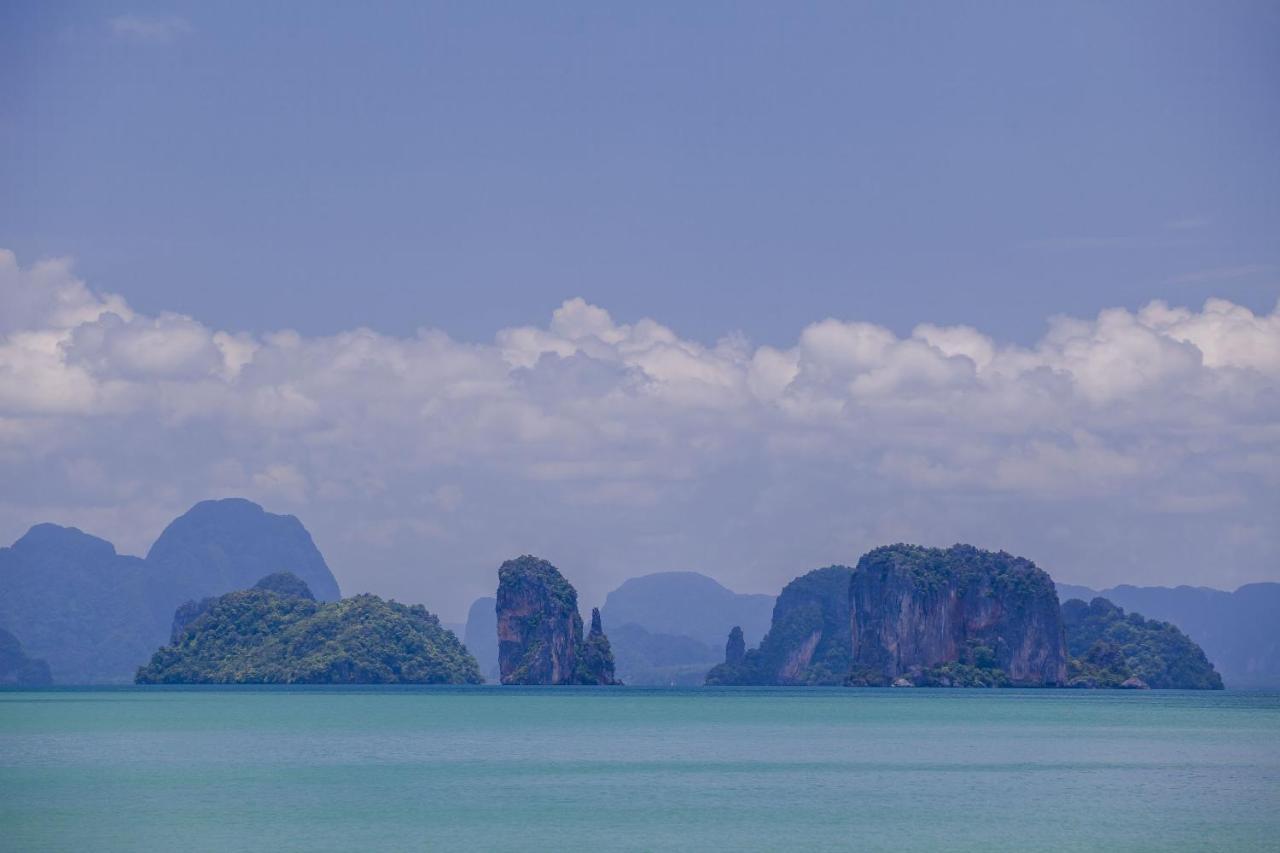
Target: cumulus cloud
column 1130, row 446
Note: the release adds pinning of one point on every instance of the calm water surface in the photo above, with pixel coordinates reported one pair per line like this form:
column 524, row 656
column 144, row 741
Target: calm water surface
column 632, row 769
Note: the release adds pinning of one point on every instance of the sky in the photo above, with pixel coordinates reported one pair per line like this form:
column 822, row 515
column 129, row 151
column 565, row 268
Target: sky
column 739, row 288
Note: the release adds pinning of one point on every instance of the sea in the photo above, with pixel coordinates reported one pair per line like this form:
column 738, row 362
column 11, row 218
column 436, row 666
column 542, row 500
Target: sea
column 633, row 769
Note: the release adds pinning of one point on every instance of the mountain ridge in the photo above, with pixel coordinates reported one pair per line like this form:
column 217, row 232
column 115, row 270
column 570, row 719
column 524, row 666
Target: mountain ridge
column 94, row 614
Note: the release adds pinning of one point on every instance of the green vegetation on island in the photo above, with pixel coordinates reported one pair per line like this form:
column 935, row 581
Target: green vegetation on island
column 1111, row 649
column 1238, row 630
column 277, row 633
column 93, row 614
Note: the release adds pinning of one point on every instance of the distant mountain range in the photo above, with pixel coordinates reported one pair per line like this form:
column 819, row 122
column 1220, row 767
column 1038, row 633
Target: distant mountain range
column 1239, row 631
column 688, row 604
column 95, row 615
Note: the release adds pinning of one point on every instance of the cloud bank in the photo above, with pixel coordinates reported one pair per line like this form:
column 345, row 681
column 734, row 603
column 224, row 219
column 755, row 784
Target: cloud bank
column 1140, row 447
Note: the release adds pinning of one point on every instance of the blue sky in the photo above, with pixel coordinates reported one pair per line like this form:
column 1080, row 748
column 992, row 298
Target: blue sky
column 740, row 288
column 722, row 166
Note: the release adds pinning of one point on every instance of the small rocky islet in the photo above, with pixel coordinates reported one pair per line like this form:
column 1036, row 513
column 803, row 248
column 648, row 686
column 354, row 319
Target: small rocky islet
column 540, row 636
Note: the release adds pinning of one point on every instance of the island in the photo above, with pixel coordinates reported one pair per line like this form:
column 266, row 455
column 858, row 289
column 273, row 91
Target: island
column 540, row 636
column 1111, row 649
column 911, row 616
column 277, row 633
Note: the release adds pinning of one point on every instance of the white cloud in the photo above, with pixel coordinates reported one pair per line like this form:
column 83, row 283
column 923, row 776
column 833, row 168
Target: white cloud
column 628, row 448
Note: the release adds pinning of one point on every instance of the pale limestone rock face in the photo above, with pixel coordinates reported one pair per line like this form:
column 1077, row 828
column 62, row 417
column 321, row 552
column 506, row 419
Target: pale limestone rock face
column 540, row 636
column 916, row 607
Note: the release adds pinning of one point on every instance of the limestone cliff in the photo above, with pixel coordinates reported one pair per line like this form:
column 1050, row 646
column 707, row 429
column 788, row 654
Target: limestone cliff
column 595, row 663
column 735, row 648
column 808, row 641
column 952, row 617
column 540, row 638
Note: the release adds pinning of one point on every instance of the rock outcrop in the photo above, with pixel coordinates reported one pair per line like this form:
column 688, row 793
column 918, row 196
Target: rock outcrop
column 735, row 648
column 540, row 638
column 954, row 617
column 277, row 633
column 808, row 641
column 595, row 663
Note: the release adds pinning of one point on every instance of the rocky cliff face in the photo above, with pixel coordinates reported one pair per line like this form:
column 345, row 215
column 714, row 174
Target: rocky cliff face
column 540, row 639
column 808, row 642
column 954, row 616
column 595, row 663
column 735, row 648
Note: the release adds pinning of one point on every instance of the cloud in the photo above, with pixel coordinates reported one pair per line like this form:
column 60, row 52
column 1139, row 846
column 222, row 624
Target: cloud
column 156, row 29
column 1129, row 446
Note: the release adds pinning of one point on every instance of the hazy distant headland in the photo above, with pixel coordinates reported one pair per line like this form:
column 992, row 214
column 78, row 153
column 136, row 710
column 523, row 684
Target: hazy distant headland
column 96, row 615
column 232, row 593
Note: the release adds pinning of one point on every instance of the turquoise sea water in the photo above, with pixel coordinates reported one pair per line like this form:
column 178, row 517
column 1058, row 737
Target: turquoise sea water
column 632, row 769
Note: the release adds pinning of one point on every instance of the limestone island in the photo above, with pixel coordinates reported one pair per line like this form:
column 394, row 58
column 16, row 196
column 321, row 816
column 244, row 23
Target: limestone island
column 277, row 633
column 909, row 616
